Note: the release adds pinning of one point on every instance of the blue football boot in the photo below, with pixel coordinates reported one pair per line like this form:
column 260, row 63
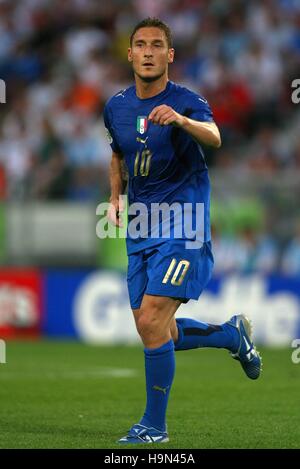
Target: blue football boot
column 140, row 434
column 246, row 353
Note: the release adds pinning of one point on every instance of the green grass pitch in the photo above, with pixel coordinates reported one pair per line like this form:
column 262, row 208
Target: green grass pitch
column 70, row 395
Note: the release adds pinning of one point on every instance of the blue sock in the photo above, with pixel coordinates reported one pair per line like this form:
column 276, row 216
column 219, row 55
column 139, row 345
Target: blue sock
column 160, row 370
column 196, row 334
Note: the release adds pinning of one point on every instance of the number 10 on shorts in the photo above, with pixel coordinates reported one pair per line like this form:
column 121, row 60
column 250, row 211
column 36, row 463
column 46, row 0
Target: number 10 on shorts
column 181, row 269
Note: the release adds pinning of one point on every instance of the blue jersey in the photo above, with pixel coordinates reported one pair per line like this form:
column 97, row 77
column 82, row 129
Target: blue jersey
column 165, row 164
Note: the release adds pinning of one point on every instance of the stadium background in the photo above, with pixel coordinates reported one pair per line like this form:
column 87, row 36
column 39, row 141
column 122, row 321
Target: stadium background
column 61, row 60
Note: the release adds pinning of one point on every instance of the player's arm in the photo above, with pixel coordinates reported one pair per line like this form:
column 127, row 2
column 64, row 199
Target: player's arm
column 117, row 188
column 204, row 132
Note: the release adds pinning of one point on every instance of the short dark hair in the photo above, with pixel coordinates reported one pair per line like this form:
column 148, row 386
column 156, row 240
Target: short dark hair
column 154, row 23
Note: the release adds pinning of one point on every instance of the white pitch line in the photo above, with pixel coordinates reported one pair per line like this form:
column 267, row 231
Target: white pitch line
column 101, row 372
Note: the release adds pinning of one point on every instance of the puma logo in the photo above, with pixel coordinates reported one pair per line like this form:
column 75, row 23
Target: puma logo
column 139, row 139
column 120, row 94
column 158, row 388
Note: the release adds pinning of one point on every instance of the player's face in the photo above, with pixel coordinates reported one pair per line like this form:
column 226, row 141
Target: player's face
column 150, row 54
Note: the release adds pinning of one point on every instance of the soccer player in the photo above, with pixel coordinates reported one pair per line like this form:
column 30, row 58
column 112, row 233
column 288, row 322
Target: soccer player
column 158, row 128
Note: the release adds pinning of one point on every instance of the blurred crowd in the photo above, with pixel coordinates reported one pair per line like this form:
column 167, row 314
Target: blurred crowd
column 62, row 59
column 250, row 250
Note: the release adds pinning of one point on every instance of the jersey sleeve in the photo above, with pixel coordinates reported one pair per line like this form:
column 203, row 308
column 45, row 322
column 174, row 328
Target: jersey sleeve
column 197, row 108
column 107, row 117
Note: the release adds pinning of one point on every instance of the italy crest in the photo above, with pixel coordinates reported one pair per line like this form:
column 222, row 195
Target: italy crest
column 141, row 124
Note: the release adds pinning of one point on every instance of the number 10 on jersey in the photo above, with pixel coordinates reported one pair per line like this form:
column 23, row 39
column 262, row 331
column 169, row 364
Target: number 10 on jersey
column 142, row 163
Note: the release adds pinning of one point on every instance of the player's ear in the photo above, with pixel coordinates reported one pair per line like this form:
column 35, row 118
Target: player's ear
column 129, row 54
column 171, row 54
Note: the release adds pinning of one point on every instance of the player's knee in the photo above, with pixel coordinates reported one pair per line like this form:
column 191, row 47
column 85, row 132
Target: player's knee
column 147, row 326
column 149, row 323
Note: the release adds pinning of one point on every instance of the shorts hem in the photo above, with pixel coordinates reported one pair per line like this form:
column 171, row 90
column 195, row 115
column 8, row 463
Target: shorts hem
column 184, row 299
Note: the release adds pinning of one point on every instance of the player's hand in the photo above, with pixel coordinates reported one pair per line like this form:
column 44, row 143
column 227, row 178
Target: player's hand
column 116, row 207
column 165, row 115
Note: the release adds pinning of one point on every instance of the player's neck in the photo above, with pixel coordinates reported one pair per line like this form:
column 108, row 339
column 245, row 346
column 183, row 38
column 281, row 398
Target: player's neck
column 148, row 90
